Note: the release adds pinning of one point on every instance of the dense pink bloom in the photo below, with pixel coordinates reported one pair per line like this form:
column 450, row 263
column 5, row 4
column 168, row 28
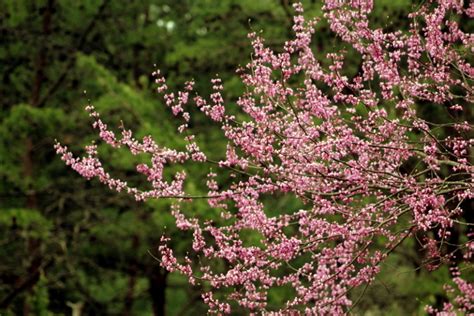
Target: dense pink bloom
column 340, row 145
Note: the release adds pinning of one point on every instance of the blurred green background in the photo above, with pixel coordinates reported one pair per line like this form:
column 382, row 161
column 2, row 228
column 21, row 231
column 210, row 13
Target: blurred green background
column 72, row 247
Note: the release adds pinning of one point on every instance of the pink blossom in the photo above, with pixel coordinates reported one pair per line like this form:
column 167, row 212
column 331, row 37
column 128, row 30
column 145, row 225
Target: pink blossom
column 343, row 147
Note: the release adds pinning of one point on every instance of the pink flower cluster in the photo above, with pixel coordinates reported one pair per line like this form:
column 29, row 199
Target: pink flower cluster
column 463, row 301
column 342, row 146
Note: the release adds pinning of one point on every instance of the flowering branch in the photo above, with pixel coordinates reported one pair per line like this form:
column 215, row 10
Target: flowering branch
column 340, row 145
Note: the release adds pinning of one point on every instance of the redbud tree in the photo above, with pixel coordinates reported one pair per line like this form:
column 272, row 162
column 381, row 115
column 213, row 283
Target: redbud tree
column 368, row 169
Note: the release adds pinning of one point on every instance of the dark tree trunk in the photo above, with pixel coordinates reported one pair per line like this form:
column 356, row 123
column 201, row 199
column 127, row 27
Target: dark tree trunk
column 33, row 244
column 157, row 290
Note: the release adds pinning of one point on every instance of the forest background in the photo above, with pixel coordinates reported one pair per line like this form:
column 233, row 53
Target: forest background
column 69, row 246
